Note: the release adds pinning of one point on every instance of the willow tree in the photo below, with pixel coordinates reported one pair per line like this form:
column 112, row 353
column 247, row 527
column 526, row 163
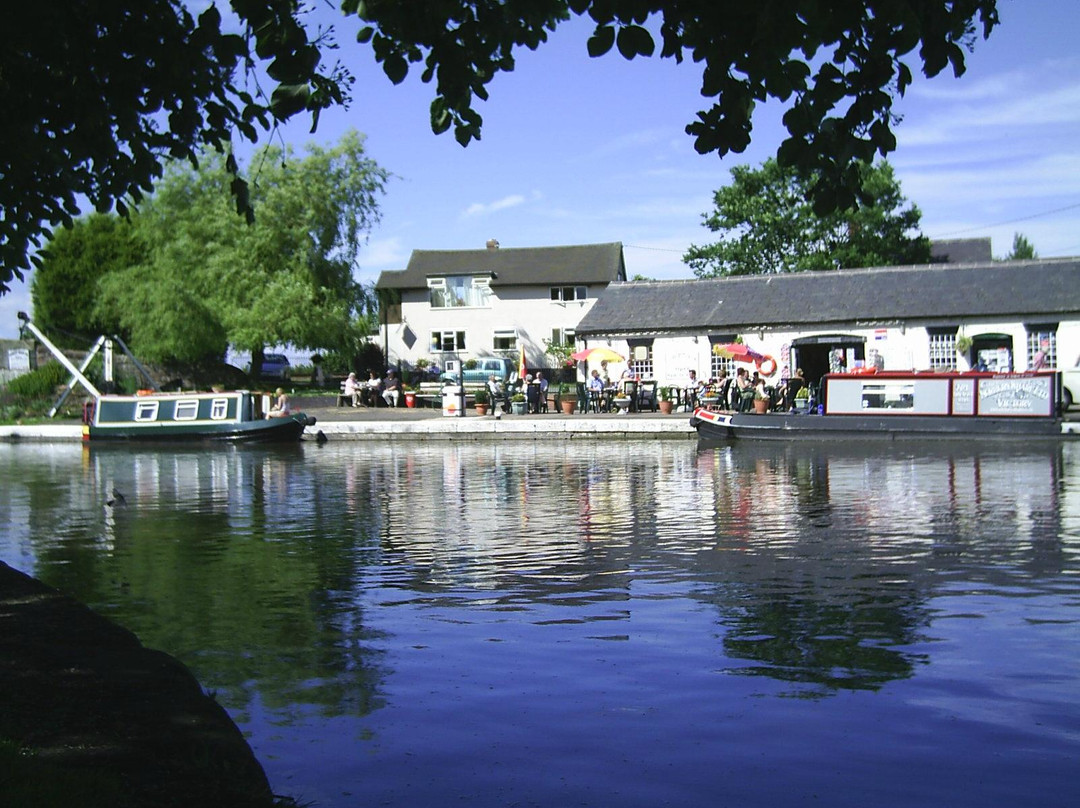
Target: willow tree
column 216, row 280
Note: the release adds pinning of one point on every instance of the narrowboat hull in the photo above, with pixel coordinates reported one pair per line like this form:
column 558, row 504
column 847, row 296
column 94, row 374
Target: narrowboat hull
column 722, row 426
column 194, row 417
column 912, row 405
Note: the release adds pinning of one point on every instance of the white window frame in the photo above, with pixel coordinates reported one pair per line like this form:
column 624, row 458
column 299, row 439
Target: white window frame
column 506, row 334
column 456, row 345
column 1035, row 336
column 558, row 294
column 477, row 291
column 941, row 352
column 146, row 410
column 186, row 409
column 219, row 409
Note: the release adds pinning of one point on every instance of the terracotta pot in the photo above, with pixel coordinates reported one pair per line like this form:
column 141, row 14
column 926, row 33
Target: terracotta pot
column 761, row 405
column 666, row 407
column 481, row 409
column 568, row 406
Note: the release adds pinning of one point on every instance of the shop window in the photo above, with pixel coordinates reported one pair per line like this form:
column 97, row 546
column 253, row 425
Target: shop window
column 942, row 348
column 641, row 359
column 1042, row 337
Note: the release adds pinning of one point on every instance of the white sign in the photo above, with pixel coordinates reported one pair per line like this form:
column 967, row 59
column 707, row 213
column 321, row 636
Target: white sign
column 18, row 359
column 1016, row 395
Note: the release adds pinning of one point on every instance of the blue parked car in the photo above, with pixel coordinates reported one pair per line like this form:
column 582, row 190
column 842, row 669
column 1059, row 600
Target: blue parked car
column 275, row 366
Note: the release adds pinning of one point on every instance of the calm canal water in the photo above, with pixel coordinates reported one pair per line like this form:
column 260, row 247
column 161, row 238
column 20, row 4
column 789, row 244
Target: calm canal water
column 575, row 624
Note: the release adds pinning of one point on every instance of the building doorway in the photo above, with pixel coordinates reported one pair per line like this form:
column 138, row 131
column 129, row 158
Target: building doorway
column 994, row 352
column 814, row 354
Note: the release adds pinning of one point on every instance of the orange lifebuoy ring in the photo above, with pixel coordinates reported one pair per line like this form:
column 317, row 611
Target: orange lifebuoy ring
column 767, row 360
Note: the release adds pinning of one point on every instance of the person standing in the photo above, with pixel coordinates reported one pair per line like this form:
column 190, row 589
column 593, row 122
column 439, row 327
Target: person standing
column 1042, row 356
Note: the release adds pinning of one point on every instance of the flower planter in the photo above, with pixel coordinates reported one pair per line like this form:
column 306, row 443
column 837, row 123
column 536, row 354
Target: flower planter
column 518, row 407
column 568, row 405
column 623, row 403
column 761, row 405
column 481, row 409
column 666, row 407
column 410, row 399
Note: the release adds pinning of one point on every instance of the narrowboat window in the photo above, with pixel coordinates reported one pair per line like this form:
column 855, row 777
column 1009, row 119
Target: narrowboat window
column 146, row 411
column 219, row 408
column 186, row 410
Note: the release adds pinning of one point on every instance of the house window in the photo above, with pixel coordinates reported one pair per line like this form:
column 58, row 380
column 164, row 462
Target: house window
column 459, row 291
column 505, row 341
column 568, row 294
column 447, row 341
column 641, row 359
column 562, row 336
column 186, row 410
column 1036, row 336
column 942, row 348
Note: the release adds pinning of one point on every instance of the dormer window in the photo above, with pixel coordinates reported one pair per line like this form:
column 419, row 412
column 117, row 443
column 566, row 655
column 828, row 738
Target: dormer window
column 460, row 291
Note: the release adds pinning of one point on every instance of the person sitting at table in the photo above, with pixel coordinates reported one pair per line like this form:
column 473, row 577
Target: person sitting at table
column 744, row 391
column 628, row 374
column 371, row 390
column 596, row 391
column 351, row 390
column 694, row 386
column 392, row 389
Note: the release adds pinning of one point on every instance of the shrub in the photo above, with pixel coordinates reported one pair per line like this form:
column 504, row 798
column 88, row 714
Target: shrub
column 40, row 383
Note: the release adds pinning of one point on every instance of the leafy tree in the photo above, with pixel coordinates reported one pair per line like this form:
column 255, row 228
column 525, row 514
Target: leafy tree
column 770, row 225
column 1022, row 249
column 156, row 83
column 97, row 94
column 65, row 288
column 285, row 278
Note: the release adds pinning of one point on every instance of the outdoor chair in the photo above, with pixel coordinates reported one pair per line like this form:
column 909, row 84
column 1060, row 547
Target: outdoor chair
column 646, row 397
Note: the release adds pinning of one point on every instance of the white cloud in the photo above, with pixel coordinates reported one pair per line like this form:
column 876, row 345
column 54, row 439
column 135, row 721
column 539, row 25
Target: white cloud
column 482, row 209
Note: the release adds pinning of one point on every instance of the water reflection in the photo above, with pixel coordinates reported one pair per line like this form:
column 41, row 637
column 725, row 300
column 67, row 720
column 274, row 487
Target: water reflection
column 309, row 585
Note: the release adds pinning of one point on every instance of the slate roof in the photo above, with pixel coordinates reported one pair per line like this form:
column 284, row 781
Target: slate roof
column 1032, row 291
column 960, row 251
column 511, row 266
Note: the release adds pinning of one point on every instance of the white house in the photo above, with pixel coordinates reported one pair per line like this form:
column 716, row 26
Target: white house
column 449, row 305
column 896, row 318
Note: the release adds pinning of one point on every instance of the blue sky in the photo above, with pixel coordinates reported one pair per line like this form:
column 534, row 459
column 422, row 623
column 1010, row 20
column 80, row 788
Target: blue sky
column 578, row 150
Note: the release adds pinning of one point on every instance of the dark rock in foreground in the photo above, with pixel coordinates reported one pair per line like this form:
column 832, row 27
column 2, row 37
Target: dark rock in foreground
column 84, row 693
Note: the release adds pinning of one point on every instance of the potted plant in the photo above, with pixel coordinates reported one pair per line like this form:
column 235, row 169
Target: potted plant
column 567, row 398
column 410, row 396
column 664, row 400
column 761, row 402
column 481, row 401
column 517, row 404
